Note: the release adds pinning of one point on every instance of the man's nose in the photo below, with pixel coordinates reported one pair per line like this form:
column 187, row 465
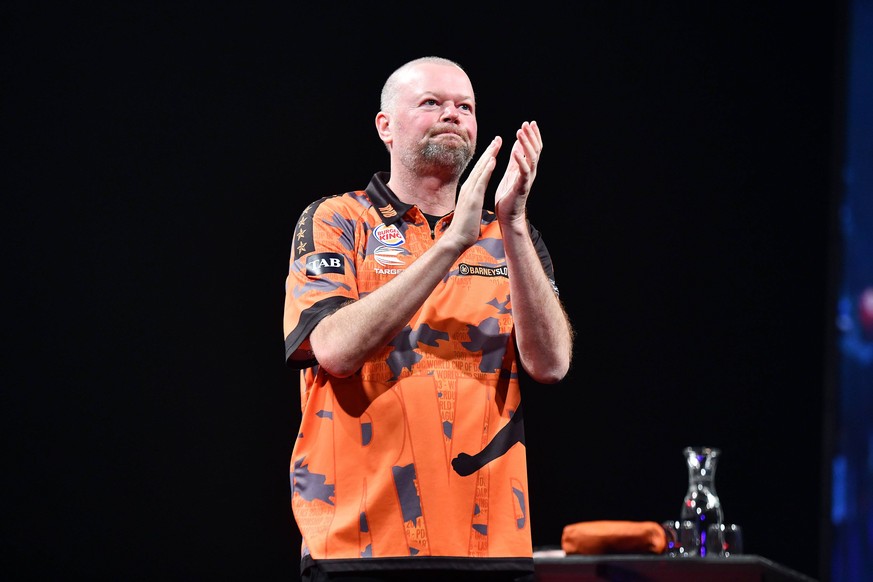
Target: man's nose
column 450, row 112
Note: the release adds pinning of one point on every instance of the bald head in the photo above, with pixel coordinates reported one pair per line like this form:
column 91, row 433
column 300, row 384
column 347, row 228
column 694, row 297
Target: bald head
column 396, row 79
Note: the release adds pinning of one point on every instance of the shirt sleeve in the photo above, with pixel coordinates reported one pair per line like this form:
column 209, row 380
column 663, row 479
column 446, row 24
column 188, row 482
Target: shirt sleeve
column 321, row 274
column 543, row 254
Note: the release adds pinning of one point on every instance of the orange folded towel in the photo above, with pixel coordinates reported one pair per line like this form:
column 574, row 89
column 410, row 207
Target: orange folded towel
column 614, row 537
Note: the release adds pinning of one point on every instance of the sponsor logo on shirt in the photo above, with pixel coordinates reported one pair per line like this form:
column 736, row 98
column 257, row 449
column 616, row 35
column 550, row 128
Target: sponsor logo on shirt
column 389, row 235
column 321, row 263
column 479, row 271
column 390, row 257
column 388, row 271
column 388, row 211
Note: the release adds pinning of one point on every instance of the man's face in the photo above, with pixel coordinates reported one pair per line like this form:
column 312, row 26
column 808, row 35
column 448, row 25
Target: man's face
column 434, row 120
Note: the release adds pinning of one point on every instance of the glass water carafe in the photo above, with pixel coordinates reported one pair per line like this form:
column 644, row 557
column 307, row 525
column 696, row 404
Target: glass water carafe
column 701, row 510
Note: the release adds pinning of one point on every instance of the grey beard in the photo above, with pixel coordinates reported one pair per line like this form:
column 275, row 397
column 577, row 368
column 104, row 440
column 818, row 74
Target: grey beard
column 438, row 156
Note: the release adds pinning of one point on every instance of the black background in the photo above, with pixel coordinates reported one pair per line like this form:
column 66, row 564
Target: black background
column 157, row 156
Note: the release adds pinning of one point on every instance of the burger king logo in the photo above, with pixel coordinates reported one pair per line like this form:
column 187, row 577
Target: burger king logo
column 389, row 235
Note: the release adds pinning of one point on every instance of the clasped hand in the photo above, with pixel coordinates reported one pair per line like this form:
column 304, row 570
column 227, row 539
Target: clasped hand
column 510, row 198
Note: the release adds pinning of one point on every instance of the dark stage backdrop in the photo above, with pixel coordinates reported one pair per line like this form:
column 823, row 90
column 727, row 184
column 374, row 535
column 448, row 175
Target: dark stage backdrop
column 848, row 521
column 157, row 155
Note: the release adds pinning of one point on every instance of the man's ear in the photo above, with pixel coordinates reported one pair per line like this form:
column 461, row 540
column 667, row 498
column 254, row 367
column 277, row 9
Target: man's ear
column 383, row 127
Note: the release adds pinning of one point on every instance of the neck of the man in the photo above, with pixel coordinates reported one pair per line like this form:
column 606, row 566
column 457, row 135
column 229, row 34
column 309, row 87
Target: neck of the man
column 432, row 194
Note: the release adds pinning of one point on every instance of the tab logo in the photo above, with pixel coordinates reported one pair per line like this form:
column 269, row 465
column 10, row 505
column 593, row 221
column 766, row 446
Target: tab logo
column 389, row 235
column 321, row 263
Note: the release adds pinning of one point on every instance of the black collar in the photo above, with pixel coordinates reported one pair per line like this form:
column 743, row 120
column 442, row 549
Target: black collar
column 389, row 207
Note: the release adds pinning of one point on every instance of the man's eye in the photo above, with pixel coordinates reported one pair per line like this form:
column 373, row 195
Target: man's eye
column 430, row 102
column 465, row 107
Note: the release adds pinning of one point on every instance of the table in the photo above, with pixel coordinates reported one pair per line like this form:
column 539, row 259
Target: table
column 659, row 568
